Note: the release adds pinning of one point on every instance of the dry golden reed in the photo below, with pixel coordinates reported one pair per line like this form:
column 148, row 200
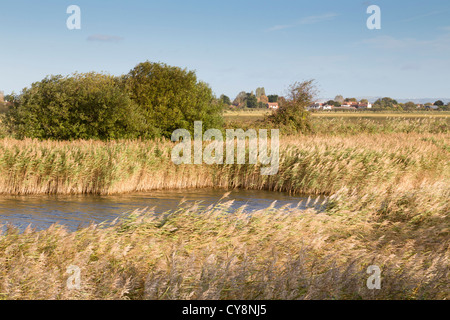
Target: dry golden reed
column 208, row 253
column 308, row 164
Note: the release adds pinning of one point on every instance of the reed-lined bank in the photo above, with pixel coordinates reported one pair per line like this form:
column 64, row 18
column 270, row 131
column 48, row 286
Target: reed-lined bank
column 206, row 253
column 308, row 164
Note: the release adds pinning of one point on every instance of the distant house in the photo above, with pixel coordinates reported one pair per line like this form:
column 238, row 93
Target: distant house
column 344, row 107
column 350, row 103
column 367, row 105
column 315, row 105
column 272, row 105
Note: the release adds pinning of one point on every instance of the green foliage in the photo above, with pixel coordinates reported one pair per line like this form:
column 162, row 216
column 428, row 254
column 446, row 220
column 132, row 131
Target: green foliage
column 225, row 100
column 409, row 106
column 81, row 106
column 262, row 105
column 292, row 116
column 3, row 107
column 251, row 101
column 439, row 103
column 386, row 103
column 171, row 98
column 445, row 108
column 151, row 101
column 333, row 103
column 273, row 98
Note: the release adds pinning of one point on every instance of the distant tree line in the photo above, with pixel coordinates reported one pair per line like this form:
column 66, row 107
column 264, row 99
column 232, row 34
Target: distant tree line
column 243, row 100
column 388, row 103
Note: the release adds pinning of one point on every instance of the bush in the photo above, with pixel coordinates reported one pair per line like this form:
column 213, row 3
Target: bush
column 171, row 98
column 151, row 101
column 81, row 106
column 292, row 116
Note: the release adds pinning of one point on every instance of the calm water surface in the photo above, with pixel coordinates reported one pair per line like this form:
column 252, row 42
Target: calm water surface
column 75, row 211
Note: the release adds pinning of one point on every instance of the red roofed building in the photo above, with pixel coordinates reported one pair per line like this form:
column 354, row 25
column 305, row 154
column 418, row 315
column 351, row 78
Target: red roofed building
column 272, row 105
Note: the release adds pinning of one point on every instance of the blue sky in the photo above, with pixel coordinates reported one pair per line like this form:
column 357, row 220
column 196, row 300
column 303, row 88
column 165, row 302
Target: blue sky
column 237, row 45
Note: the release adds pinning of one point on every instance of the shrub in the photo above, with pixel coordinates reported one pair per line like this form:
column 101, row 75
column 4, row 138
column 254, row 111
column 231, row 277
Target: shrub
column 292, row 116
column 171, row 98
column 81, row 106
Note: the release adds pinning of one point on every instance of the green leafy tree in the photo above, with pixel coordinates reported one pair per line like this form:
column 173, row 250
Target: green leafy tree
column 81, row 106
column 439, row 103
column 171, row 98
column 251, row 101
column 385, row 103
column 262, row 105
column 409, row 106
column 273, row 98
column 292, row 115
column 446, row 107
column 225, row 99
column 333, row 103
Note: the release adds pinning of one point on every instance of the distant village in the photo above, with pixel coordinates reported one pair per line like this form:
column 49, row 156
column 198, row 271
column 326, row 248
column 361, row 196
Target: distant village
column 259, row 99
column 346, row 105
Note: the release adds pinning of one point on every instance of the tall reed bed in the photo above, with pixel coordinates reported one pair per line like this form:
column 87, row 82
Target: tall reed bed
column 387, row 206
column 308, row 164
column 207, row 253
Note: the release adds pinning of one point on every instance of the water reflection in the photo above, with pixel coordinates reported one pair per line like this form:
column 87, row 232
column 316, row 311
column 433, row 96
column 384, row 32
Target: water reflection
column 79, row 210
